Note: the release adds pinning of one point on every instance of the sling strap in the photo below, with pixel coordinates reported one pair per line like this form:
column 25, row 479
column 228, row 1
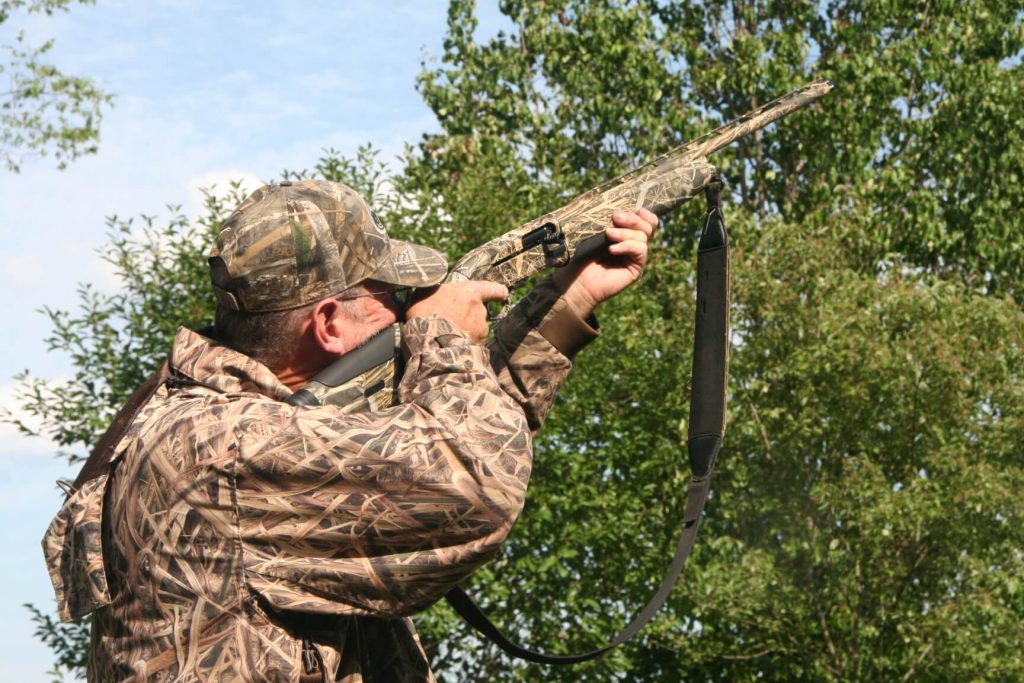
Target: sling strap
column 706, row 429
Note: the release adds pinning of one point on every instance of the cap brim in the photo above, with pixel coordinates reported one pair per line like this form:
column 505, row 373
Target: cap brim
column 411, row 265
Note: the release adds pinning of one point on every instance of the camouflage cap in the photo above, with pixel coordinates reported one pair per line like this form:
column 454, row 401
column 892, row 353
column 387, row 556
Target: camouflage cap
column 292, row 244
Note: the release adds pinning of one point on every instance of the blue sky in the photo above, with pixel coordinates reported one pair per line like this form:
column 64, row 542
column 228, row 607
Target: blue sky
column 206, row 92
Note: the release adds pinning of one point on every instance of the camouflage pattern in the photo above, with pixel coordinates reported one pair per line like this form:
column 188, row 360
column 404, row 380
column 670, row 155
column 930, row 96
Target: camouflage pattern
column 659, row 186
column 239, row 528
column 74, row 543
column 292, row 244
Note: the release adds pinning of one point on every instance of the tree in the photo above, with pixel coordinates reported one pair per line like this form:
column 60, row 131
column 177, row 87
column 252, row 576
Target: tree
column 865, row 523
column 44, row 111
column 877, row 352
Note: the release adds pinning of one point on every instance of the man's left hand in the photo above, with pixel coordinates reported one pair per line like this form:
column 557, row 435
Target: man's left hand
column 588, row 284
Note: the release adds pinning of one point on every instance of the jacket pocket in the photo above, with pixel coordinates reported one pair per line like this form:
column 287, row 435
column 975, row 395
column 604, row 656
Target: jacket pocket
column 73, row 546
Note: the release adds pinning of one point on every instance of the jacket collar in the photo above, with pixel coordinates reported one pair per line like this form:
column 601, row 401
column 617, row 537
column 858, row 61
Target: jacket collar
column 222, row 369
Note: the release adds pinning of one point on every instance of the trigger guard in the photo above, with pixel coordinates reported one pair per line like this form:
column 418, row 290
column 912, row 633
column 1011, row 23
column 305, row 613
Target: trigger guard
column 496, row 310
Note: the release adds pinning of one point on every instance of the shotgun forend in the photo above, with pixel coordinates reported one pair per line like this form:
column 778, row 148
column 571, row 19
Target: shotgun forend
column 577, row 229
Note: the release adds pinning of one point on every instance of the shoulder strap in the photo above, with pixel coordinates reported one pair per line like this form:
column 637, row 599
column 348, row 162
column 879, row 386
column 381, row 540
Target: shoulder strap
column 102, row 453
column 707, row 427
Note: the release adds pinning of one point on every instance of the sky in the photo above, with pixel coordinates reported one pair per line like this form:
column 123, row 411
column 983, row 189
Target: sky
column 205, row 92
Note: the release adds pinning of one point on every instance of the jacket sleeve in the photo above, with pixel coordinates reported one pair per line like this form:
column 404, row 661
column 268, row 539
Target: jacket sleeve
column 533, row 347
column 382, row 514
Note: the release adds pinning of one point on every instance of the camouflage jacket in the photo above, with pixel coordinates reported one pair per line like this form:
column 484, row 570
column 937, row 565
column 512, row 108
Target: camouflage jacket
column 238, row 538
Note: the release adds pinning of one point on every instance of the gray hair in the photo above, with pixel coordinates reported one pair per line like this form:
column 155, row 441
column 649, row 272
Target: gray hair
column 270, row 338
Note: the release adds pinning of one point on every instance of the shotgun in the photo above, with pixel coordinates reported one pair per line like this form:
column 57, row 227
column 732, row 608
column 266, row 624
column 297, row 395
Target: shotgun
column 362, row 380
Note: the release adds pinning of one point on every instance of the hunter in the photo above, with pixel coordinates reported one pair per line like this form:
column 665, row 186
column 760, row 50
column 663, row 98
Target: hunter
column 230, row 536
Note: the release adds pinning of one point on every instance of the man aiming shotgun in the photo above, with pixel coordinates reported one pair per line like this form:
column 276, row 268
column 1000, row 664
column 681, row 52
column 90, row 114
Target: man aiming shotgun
column 219, row 532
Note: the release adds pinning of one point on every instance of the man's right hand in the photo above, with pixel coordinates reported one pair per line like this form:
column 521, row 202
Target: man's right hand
column 464, row 304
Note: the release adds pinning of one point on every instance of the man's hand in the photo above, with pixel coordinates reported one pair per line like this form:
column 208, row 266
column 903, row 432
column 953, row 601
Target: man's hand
column 462, row 303
column 591, row 282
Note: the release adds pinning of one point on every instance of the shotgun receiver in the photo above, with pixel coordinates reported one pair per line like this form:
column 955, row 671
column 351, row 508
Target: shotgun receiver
column 574, row 231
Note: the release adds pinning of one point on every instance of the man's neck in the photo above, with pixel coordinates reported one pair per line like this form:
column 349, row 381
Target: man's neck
column 297, row 372
column 294, row 379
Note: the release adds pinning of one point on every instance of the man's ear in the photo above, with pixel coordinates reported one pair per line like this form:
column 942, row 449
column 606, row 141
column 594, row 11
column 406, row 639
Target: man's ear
column 328, row 323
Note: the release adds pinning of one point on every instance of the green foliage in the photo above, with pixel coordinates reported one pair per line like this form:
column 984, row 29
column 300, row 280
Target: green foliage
column 42, row 110
column 69, row 642
column 869, row 478
column 862, row 523
column 866, row 522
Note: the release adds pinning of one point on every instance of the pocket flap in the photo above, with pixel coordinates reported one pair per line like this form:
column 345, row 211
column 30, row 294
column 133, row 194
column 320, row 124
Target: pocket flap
column 73, row 546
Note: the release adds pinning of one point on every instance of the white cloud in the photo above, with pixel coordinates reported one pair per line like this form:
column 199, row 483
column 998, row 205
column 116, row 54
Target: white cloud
column 21, row 268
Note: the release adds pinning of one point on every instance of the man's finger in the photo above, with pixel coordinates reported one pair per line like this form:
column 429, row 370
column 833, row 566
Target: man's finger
column 650, row 217
column 634, row 248
column 633, row 221
column 491, row 291
column 623, row 234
